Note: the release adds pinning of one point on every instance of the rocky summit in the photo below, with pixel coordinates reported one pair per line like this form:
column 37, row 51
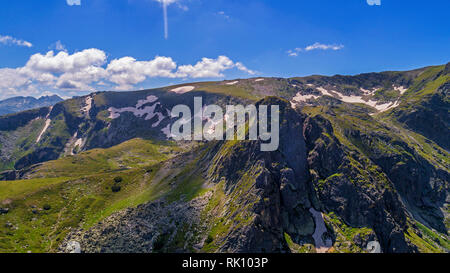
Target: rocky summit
column 362, row 165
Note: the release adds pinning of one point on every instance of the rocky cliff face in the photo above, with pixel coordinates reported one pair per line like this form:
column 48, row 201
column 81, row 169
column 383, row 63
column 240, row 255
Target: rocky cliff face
column 272, row 187
column 427, row 111
column 352, row 187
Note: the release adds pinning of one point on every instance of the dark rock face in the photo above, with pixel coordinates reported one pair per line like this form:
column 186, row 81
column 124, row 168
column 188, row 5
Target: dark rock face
column 264, row 232
column 280, row 189
column 12, row 122
column 17, row 175
column 431, row 118
column 422, row 186
column 8, row 175
column 38, row 156
column 341, row 187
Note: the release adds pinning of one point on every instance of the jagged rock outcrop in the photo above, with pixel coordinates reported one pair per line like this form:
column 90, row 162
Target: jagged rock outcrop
column 270, row 186
column 349, row 185
column 431, row 117
column 153, row 227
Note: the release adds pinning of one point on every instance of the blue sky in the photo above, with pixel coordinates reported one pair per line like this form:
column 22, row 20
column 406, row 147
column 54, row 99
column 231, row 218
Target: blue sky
column 72, row 47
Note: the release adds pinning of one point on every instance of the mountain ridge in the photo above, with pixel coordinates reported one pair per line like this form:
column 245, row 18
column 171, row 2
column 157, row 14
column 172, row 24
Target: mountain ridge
column 20, row 104
column 355, row 157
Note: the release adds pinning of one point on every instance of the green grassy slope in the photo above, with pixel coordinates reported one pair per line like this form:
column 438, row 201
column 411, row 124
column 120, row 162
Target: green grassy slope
column 77, row 191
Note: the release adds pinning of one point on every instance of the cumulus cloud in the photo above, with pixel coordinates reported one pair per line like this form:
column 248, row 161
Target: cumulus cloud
column 14, row 83
column 206, row 68
column 127, row 71
column 64, row 62
column 61, row 71
column 315, row 46
column 210, row 68
column 242, row 67
column 73, row 2
column 8, row 40
column 89, row 69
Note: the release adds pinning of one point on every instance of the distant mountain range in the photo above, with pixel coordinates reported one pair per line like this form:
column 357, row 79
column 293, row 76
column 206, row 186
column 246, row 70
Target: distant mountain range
column 19, row 104
column 363, row 161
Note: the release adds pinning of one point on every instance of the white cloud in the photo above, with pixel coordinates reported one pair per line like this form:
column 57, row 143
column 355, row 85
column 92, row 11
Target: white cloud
column 206, row 68
column 89, row 69
column 323, row 47
column 14, row 83
column 210, row 68
column 58, row 45
column 223, row 14
column 374, row 2
column 59, row 72
column 315, row 46
column 81, row 79
column 73, row 2
column 292, row 53
column 8, row 40
column 242, row 67
column 127, row 72
column 64, row 62
column 12, row 78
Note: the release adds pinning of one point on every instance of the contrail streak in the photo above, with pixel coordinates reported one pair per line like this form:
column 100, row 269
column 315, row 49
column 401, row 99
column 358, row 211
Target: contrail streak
column 166, row 23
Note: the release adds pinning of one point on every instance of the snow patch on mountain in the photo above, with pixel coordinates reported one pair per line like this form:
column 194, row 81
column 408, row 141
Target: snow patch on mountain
column 301, row 98
column 388, row 106
column 149, row 99
column 401, row 89
column 74, row 142
column 368, row 92
column 232, row 83
column 47, row 124
column 79, row 143
column 88, row 106
column 183, row 89
column 322, row 246
column 140, row 110
column 325, row 92
column 48, row 121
